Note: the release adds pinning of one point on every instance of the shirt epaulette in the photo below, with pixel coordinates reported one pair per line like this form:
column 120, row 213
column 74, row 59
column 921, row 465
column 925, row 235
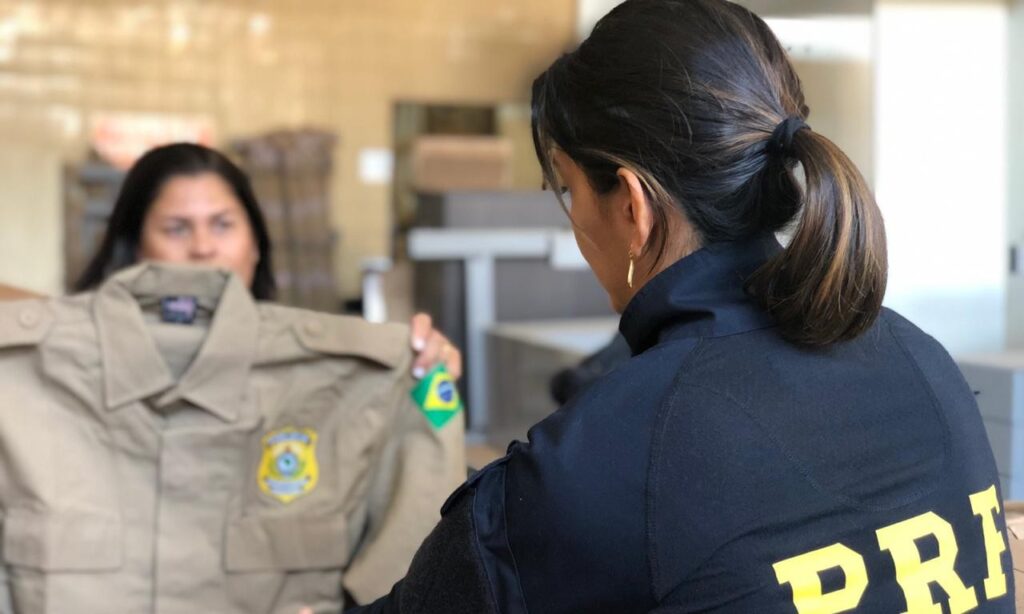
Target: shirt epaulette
column 386, row 344
column 24, row 322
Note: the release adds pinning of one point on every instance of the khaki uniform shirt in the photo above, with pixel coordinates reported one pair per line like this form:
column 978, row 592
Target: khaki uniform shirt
column 255, row 459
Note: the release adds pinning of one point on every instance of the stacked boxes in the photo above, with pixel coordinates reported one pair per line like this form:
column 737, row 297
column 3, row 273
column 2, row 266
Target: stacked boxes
column 90, row 190
column 291, row 174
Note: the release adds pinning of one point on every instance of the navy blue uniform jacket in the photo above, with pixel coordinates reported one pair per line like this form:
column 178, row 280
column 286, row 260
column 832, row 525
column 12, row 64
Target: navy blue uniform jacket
column 723, row 469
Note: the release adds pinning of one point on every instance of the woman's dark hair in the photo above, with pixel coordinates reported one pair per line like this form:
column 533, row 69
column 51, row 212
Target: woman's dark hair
column 699, row 99
column 141, row 187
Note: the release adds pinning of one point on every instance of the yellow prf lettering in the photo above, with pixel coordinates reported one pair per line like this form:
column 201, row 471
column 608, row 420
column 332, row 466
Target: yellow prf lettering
column 915, row 575
column 985, row 505
column 803, row 574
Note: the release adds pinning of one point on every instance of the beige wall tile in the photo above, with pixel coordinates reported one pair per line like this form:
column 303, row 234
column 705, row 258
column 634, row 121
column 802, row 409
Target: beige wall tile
column 249, row 67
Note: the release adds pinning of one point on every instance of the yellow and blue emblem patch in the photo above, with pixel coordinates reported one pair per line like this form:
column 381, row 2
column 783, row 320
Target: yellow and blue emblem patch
column 437, row 397
column 288, row 468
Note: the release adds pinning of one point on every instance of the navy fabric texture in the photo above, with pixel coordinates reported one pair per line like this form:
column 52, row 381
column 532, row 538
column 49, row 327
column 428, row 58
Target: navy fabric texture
column 678, row 481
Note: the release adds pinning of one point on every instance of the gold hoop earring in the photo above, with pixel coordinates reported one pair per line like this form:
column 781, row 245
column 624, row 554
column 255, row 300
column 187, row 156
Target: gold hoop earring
column 632, row 267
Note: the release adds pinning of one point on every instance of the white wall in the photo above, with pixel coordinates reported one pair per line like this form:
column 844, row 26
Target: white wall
column 1015, row 323
column 589, row 12
column 833, row 54
column 941, row 164
column 31, row 240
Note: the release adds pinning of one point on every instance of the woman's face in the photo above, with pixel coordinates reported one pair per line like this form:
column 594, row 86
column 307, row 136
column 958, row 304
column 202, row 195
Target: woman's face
column 198, row 219
column 602, row 233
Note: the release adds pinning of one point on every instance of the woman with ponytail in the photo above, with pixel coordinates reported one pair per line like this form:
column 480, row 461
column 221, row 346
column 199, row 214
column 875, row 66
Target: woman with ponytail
column 779, row 442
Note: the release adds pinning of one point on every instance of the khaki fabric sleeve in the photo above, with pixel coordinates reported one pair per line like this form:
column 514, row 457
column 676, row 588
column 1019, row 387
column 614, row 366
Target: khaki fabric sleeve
column 416, row 469
column 6, row 604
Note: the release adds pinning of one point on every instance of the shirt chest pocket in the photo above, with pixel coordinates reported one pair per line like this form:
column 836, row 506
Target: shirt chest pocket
column 59, row 561
column 279, row 563
column 61, row 542
column 286, row 543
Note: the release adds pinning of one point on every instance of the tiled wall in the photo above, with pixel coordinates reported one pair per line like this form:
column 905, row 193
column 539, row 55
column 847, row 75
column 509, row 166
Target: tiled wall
column 245, row 66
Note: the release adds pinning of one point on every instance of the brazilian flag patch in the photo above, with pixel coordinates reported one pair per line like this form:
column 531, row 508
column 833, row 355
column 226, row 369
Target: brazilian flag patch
column 437, row 396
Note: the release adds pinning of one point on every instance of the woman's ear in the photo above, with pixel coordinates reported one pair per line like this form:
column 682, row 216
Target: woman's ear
column 637, row 211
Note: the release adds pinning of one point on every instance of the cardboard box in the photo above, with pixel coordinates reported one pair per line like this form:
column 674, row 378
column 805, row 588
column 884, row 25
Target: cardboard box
column 446, row 163
column 1015, row 533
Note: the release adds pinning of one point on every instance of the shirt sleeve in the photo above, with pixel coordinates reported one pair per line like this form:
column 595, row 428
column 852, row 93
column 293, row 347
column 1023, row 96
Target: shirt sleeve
column 6, row 605
column 464, row 566
column 416, row 468
column 559, row 523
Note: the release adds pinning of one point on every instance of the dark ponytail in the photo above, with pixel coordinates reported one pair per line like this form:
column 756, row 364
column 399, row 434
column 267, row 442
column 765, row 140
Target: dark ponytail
column 828, row 284
column 698, row 98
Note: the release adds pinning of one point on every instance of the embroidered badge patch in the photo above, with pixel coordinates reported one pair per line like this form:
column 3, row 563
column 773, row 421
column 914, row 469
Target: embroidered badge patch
column 288, row 468
column 438, row 397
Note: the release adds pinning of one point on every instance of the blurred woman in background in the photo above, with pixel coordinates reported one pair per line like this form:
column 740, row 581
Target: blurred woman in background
column 189, row 204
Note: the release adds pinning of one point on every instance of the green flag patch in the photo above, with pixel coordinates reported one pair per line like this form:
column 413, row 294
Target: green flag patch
column 437, row 396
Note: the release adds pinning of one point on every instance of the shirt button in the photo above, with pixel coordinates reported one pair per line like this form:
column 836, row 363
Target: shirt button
column 314, row 327
column 28, row 318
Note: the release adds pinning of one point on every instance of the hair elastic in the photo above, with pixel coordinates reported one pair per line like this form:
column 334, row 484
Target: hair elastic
column 782, row 138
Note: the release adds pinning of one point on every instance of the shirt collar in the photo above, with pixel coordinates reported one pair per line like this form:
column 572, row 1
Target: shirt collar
column 702, row 295
column 133, row 367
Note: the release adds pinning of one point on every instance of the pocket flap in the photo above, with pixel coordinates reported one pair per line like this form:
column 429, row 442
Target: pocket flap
column 62, row 541
column 286, row 543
